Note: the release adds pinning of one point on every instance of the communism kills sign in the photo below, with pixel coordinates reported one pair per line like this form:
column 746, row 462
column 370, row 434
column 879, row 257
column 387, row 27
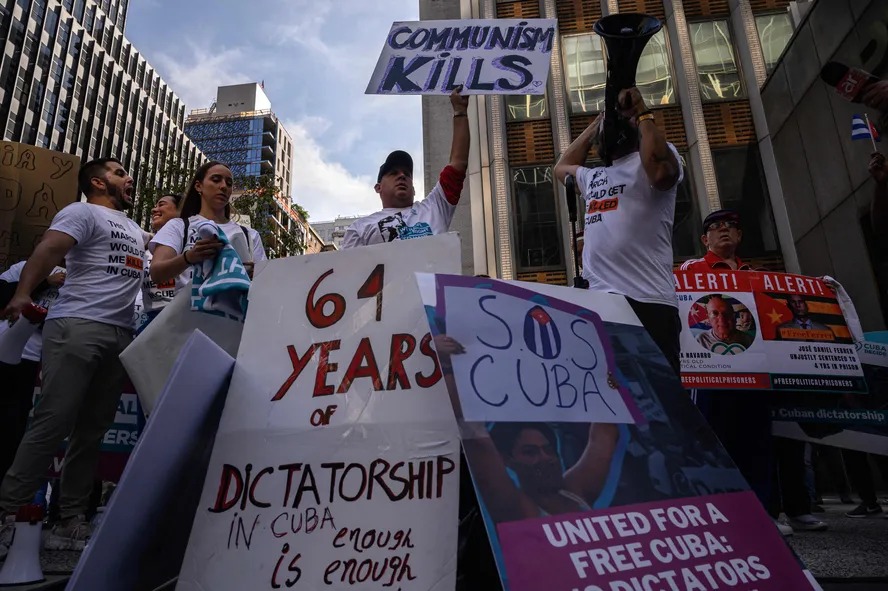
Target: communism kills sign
column 336, row 463
column 503, row 56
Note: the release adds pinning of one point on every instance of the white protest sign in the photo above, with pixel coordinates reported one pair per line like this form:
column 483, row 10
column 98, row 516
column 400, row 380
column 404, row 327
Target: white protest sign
column 336, row 463
column 528, row 357
column 502, row 56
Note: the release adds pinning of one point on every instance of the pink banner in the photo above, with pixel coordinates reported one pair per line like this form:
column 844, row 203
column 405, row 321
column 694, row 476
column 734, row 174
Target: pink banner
column 697, row 543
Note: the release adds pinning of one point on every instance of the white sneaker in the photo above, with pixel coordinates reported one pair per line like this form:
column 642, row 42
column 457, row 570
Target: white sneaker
column 7, row 527
column 72, row 534
column 807, row 523
column 784, row 528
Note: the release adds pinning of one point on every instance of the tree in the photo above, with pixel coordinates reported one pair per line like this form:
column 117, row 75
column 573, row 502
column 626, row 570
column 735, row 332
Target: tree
column 261, row 200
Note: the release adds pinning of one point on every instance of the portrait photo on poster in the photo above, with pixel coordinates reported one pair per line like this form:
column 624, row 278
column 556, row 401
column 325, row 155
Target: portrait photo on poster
column 722, row 324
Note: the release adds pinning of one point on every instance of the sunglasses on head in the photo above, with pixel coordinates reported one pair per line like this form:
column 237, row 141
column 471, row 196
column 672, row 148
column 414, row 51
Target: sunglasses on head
column 723, row 224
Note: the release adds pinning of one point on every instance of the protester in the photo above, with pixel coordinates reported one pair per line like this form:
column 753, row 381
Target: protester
column 878, row 169
column 18, row 380
column 401, row 217
column 630, row 206
column 155, row 296
column 740, row 419
column 208, row 198
column 86, row 329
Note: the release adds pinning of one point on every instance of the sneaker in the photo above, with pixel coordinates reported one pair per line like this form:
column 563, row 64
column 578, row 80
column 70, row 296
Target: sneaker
column 69, row 534
column 846, row 500
column 7, row 528
column 784, row 528
column 864, row 510
column 807, row 522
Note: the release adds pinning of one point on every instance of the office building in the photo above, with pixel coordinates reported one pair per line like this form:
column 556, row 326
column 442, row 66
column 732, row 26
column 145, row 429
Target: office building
column 820, row 172
column 332, row 232
column 700, row 75
column 71, row 81
column 241, row 131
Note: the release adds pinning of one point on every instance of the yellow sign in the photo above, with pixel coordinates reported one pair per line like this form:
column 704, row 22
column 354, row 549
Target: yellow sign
column 34, row 185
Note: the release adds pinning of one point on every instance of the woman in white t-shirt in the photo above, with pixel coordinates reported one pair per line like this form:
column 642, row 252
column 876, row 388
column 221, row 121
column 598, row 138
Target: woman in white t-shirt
column 155, row 296
column 175, row 248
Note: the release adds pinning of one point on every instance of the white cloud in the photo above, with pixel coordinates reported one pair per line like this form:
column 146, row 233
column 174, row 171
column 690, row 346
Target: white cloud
column 194, row 76
column 324, row 187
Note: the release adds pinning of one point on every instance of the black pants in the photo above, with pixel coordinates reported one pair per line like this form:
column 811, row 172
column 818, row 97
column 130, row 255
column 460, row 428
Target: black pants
column 15, row 404
column 662, row 323
column 791, row 494
column 861, row 475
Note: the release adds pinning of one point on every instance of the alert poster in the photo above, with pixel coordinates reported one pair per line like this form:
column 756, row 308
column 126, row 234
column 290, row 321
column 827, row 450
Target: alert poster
column 336, row 462
column 759, row 330
column 631, row 490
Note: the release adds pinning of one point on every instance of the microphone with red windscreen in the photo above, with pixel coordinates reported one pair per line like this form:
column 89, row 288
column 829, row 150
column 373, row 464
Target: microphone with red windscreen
column 850, row 83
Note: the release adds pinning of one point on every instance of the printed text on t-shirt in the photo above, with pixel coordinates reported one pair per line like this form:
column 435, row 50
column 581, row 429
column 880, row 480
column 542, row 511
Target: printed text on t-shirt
column 131, row 255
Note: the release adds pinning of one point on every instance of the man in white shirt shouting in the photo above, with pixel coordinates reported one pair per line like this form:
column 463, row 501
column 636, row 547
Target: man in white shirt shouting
column 85, row 331
column 630, row 206
column 401, row 218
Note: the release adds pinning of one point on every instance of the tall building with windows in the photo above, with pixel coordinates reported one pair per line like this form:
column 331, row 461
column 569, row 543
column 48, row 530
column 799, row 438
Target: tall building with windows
column 700, row 75
column 241, row 131
column 71, row 81
column 332, row 232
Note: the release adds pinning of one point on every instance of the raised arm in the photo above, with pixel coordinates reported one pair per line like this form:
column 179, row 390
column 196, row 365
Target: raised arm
column 49, row 252
column 878, row 169
column 576, row 154
column 659, row 162
column 586, row 478
column 459, row 147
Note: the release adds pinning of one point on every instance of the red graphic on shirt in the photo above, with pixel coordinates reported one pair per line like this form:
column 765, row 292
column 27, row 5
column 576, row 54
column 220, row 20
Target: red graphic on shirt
column 599, row 205
column 133, row 262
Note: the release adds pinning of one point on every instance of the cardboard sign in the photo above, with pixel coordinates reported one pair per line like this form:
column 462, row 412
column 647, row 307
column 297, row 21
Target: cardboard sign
column 593, row 506
column 336, row 463
column 34, row 185
column 502, row 56
column 770, row 331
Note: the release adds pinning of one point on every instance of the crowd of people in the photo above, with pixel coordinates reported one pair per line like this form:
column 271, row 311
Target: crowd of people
column 97, row 300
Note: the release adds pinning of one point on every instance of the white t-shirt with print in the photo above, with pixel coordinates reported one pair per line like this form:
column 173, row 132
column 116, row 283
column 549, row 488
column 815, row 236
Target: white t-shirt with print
column 155, row 295
column 105, row 266
column 428, row 217
column 34, row 346
column 628, row 231
column 173, row 231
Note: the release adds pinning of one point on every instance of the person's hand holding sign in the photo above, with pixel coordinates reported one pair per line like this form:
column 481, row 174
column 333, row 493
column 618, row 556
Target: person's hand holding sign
column 878, row 168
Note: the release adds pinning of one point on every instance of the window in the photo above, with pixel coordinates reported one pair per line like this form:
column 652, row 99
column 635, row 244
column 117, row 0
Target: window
column 653, row 77
column 524, row 107
column 585, row 67
column 585, row 72
column 774, row 31
column 741, row 186
column 537, row 235
column 716, row 65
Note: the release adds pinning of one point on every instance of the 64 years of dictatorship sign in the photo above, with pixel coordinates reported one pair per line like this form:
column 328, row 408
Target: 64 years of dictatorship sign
column 336, row 462
column 499, row 56
column 761, row 330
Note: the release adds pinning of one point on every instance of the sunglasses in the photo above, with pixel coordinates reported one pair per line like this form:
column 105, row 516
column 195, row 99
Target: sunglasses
column 723, row 224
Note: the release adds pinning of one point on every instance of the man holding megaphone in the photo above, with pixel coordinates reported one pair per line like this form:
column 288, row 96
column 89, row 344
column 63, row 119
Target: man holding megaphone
column 630, row 206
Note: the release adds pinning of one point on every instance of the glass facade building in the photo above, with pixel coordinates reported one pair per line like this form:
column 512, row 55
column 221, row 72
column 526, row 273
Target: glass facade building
column 700, row 75
column 71, row 81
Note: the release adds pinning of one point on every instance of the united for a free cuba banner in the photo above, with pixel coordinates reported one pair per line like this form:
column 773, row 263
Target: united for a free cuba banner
column 336, row 461
column 592, row 467
column 762, row 330
column 501, row 56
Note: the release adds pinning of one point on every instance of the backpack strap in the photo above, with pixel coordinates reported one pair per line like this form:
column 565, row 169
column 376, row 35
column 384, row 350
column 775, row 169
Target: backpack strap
column 249, row 242
column 185, row 234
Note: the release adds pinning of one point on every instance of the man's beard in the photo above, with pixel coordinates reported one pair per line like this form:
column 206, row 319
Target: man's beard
column 117, row 196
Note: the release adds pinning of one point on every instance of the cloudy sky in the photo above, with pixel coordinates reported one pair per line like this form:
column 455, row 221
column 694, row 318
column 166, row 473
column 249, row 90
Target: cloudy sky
column 315, row 64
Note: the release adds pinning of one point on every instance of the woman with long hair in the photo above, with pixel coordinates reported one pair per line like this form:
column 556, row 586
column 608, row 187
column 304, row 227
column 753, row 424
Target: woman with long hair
column 176, row 246
column 154, row 296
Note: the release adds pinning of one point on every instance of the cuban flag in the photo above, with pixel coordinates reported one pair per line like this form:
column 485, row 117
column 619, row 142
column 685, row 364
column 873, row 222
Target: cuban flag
column 540, row 334
column 861, row 131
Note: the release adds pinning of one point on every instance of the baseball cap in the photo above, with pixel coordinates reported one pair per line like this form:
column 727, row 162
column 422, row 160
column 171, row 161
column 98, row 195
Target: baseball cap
column 397, row 159
column 728, row 215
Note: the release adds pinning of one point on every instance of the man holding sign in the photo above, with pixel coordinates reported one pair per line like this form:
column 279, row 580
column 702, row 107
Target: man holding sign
column 401, row 218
